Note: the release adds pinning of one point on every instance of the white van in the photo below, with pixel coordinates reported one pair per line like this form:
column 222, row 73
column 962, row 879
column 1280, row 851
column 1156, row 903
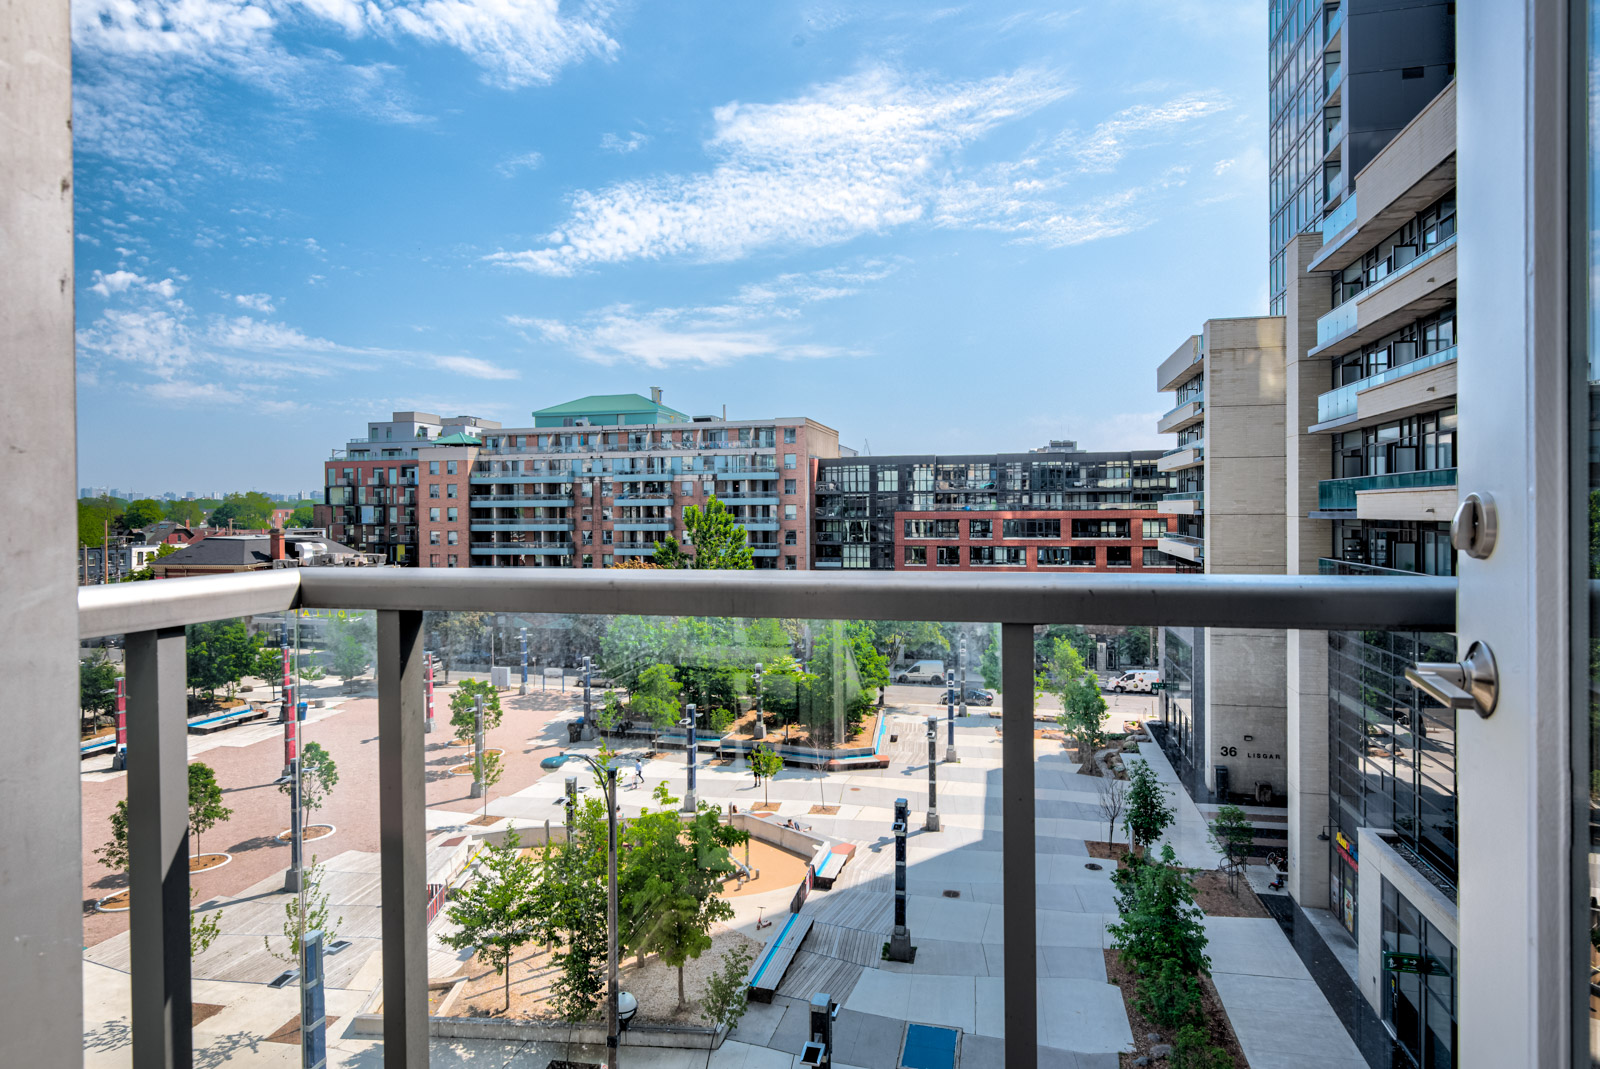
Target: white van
column 921, row 672
column 1137, row 682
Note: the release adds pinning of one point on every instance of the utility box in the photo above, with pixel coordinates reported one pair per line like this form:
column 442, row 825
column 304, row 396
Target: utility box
column 500, row 676
column 1222, row 782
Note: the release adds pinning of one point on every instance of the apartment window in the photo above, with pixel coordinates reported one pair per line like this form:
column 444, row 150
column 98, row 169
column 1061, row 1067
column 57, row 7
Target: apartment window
column 790, row 538
column 688, row 489
column 1100, row 529
column 450, row 514
column 1154, row 558
column 788, row 512
column 433, row 489
column 857, row 556
column 433, row 560
column 997, row 555
column 1119, row 556
column 788, row 486
column 605, row 538
column 980, row 529
column 433, row 515
column 588, row 538
column 949, row 556
column 1053, row 556
column 789, row 460
column 433, row 467
column 449, row 467
column 433, row 538
column 1153, row 529
column 452, row 537
column 450, row 490
column 451, row 561
column 916, row 556
column 788, row 564
column 1034, row 528
column 888, row 479
column 788, row 436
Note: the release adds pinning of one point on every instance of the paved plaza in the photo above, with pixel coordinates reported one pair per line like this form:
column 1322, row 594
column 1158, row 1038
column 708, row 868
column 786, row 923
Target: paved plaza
column 955, row 882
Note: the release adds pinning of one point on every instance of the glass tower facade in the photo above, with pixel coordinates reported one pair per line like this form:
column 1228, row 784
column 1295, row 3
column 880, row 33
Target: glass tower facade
column 1303, row 76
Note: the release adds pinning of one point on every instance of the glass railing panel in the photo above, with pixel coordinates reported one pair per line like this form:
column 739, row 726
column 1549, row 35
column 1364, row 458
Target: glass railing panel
column 1341, row 493
column 1339, row 218
column 1341, row 402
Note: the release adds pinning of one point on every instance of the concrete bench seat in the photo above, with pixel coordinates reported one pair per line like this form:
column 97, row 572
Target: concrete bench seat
column 832, row 865
column 226, row 720
column 766, row 972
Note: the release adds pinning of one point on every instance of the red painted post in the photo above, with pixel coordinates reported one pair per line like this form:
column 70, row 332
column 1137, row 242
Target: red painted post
column 286, row 669
column 290, row 733
column 122, row 716
column 427, row 660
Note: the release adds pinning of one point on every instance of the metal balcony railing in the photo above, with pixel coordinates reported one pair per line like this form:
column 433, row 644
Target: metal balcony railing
column 151, row 617
column 1341, row 402
column 1336, row 494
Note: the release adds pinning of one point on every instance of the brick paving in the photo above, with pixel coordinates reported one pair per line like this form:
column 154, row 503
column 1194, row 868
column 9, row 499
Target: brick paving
column 247, row 759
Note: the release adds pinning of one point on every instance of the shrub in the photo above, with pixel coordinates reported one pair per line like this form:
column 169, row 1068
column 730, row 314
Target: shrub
column 1192, row 1049
column 1160, row 921
column 1169, row 997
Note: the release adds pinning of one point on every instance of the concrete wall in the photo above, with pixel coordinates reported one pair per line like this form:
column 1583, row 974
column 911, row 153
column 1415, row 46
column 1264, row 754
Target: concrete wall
column 1244, row 461
column 1379, row 861
column 41, row 928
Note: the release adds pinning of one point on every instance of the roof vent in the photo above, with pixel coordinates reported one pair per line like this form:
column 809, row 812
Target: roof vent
column 655, row 394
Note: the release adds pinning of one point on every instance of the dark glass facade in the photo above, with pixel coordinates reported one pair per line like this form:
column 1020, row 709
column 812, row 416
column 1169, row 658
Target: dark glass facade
column 1296, row 103
column 1391, row 758
column 1183, row 701
column 1420, row 984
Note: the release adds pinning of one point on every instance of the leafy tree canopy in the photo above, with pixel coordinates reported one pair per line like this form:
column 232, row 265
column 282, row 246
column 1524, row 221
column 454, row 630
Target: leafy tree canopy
column 97, row 683
column 718, row 540
column 302, row 516
column 221, row 653
column 185, row 513
column 142, row 513
column 206, row 810
column 463, row 707
column 495, row 912
column 250, row 511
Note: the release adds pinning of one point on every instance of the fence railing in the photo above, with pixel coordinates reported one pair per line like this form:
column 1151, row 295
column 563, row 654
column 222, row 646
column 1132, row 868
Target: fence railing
column 151, row 617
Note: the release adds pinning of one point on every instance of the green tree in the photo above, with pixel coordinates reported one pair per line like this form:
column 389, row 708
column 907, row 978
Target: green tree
column 1078, row 636
column 569, row 911
column 1149, row 809
column 488, row 772
column 989, row 661
column 1135, row 646
column 668, row 891
column 655, row 696
column 610, row 714
column 726, row 995
column 269, row 667
column 206, row 810
column 319, row 774
column 872, row 667
column 456, row 633
column 669, row 554
column 1083, row 707
column 1192, row 1049
column 185, row 513
column 718, row 540
column 220, row 654
column 766, row 763
column 114, row 854
column 352, row 645
column 302, row 516
column 97, row 685
column 1159, row 919
column 495, row 912
column 463, row 708
column 306, row 912
column 251, row 511
column 94, row 514
column 142, row 513
column 1233, row 834
column 1169, row 997
column 202, row 932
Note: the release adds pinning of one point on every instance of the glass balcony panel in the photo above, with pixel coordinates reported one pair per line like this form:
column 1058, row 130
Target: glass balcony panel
column 1338, row 494
column 1336, row 404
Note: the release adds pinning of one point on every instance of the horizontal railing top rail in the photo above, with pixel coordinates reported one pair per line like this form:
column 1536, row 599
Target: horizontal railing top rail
column 1251, row 601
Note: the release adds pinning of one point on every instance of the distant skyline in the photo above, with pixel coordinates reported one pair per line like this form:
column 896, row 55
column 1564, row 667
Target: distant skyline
column 965, row 229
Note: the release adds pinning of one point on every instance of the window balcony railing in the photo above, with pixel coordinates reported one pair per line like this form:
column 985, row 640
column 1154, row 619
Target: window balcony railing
column 1332, row 25
column 1197, row 496
column 151, row 618
column 1332, row 137
column 1329, row 566
column 1336, row 404
column 1337, row 494
column 1343, row 318
column 1339, row 218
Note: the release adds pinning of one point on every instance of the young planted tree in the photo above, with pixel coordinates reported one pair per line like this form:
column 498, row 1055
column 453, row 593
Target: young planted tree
column 1233, row 834
column 726, row 995
column 1160, row 921
column 456, row 633
column 1149, row 809
column 351, row 646
column 202, row 931
column 97, row 687
column 463, row 708
column 766, row 763
column 610, row 714
column 488, row 771
column 668, row 890
column 306, row 912
column 206, row 810
column 669, row 554
column 1113, row 798
column 495, row 912
column 1083, row 709
column 319, row 774
column 569, row 912
column 114, row 854
column 655, row 695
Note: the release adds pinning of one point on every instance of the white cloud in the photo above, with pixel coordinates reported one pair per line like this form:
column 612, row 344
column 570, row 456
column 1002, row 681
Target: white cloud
column 256, row 302
column 622, row 146
column 528, row 161
column 1221, row 167
column 121, row 281
column 472, row 367
column 847, row 158
column 1106, row 145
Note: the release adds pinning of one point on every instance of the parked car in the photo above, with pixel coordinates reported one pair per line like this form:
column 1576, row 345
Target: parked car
column 921, row 672
column 979, row 696
column 1135, row 682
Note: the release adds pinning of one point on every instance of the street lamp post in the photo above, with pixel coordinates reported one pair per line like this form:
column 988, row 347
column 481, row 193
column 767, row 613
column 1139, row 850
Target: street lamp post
column 760, row 730
column 427, row 686
column 690, row 803
column 523, row 636
column 119, row 759
column 950, row 715
column 932, row 823
column 588, row 699
column 477, row 747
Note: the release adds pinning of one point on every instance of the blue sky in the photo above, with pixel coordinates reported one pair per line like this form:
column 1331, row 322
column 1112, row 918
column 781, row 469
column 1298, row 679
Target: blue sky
column 958, row 229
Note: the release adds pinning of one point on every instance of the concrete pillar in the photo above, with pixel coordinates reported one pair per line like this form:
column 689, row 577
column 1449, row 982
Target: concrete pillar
column 402, row 838
column 41, row 928
column 1019, row 895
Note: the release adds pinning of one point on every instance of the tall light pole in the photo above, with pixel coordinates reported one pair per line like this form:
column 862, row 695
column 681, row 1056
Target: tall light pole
column 932, row 822
column 119, row 758
column 588, row 698
column 427, row 685
column 760, row 730
column 963, row 663
column 690, row 803
column 523, row 636
column 477, row 747
column 950, row 715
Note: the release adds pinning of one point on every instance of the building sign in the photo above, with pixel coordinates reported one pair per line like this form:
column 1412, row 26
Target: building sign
column 1346, row 850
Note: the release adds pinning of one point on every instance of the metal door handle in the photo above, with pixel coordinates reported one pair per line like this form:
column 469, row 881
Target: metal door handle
column 1474, row 683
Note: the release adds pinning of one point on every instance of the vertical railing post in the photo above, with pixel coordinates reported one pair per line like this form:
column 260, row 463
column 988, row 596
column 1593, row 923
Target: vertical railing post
column 1017, row 847
column 402, row 839
column 158, row 849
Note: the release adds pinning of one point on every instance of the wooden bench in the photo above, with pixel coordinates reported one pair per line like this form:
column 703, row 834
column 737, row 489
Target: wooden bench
column 227, row 720
column 766, row 972
column 831, row 865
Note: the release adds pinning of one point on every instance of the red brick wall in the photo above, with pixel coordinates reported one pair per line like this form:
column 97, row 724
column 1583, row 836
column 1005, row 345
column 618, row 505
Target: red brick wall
column 1136, row 542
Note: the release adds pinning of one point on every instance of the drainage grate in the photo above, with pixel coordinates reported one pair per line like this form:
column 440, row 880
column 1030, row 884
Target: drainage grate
column 574, row 1065
column 1092, row 867
column 951, row 894
column 929, row 1047
column 285, row 978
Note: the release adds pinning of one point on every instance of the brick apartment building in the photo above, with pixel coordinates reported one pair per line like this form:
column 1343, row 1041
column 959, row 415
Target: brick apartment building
column 1054, row 508
column 591, row 483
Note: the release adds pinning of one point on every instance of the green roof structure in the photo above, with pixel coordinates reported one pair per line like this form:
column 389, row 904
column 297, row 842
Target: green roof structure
column 608, row 409
column 457, row 439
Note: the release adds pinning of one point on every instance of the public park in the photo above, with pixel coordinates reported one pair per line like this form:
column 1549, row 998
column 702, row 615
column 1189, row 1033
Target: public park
column 711, row 842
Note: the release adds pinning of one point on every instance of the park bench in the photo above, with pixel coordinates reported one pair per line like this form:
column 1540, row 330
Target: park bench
column 766, row 972
column 242, row 715
column 829, row 869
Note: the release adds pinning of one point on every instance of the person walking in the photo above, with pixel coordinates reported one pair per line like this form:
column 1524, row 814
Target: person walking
column 638, row 773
